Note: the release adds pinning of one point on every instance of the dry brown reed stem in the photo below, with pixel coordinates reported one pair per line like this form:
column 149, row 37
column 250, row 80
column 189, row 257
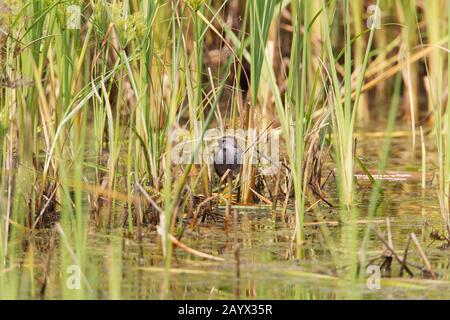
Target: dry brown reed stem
column 219, row 34
column 380, row 63
column 400, row 66
column 149, row 199
column 405, row 255
column 47, row 204
column 187, row 249
column 423, row 255
column 261, row 197
column 199, row 207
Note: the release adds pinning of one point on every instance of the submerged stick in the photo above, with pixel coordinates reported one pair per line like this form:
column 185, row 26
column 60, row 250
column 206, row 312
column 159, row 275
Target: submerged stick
column 199, row 207
column 149, row 199
column 400, row 260
column 405, row 255
column 261, row 197
column 187, row 249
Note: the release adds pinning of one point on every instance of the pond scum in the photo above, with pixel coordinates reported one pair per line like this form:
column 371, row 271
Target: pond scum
column 110, row 113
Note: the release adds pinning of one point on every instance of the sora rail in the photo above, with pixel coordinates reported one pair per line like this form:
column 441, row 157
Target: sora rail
column 228, row 156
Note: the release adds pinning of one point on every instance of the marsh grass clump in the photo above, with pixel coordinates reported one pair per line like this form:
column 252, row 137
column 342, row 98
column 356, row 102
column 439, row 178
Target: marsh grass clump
column 105, row 145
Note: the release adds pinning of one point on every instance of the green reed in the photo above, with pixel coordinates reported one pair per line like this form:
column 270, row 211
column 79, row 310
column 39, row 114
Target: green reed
column 439, row 115
column 446, row 215
column 344, row 113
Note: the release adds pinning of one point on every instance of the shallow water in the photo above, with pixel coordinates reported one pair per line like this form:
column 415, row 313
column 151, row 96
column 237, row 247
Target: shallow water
column 120, row 265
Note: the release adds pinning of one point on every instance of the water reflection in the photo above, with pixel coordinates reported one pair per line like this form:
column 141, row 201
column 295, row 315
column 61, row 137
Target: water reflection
column 122, row 265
